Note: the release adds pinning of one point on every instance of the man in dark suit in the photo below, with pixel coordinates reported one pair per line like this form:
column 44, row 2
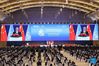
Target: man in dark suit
column 84, row 32
column 16, row 33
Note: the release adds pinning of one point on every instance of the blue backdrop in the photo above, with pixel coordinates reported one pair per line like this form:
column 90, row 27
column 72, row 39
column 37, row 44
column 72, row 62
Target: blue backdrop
column 49, row 32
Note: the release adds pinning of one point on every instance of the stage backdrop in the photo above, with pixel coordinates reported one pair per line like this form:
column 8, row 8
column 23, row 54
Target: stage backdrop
column 46, row 32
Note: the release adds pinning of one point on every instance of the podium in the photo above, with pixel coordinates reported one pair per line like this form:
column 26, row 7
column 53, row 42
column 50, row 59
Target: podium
column 15, row 39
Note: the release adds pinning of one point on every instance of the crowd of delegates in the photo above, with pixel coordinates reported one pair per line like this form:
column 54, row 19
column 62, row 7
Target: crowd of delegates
column 46, row 56
column 88, row 54
column 27, row 56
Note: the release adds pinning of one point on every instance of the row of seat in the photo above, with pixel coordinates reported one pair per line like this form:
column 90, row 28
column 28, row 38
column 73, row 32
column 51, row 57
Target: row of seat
column 31, row 56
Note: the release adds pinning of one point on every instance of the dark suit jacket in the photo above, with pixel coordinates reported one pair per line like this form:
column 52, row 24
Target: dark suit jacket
column 19, row 33
column 85, row 32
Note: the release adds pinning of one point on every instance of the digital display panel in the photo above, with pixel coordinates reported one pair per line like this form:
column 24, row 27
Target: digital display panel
column 49, row 32
column 45, row 32
column 87, row 32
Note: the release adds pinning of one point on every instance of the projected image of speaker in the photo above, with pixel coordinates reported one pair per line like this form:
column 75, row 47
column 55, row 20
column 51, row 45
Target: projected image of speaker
column 16, row 33
column 84, row 32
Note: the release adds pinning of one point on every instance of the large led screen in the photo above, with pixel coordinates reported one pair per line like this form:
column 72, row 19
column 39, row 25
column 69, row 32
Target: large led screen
column 49, row 32
column 87, row 32
column 45, row 32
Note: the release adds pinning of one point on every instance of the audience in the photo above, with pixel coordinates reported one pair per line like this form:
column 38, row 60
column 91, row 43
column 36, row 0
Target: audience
column 50, row 56
column 85, row 54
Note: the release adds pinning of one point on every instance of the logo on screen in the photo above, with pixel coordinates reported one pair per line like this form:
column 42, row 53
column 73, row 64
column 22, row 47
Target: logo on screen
column 41, row 32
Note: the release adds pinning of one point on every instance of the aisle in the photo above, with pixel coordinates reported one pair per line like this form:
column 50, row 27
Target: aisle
column 78, row 62
column 42, row 58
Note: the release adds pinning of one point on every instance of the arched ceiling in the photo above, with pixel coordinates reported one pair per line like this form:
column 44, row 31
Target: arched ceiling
column 86, row 6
